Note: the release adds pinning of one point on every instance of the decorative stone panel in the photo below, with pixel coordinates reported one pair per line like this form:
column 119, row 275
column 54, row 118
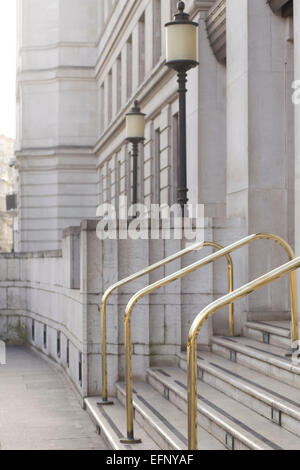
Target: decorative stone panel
column 216, row 29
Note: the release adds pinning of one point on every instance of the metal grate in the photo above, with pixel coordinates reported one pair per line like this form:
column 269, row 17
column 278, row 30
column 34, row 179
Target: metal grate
column 33, row 330
column 68, row 353
column 58, row 343
column 45, row 336
column 80, row 368
column 229, row 441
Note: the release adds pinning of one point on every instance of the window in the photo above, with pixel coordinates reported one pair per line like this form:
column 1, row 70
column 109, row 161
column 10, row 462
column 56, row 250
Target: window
column 175, row 137
column 157, row 30
column 58, row 343
column 68, row 353
column 109, row 97
column 119, row 83
column 156, row 189
column 142, row 50
column 129, row 67
column 102, row 109
column 80, row 368
column 45, row 336
column 33, row 330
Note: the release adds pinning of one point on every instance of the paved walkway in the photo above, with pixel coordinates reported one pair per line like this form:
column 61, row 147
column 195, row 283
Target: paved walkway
column 38, row 408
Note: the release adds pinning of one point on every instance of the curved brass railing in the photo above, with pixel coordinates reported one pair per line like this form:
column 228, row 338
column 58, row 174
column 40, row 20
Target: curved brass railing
column 195, row 329
column 178, row 275
column 143, row 272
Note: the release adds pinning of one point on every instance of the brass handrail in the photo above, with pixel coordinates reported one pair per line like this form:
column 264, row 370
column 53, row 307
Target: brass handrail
column 178, row 275
column 143, row 272
column 247, row 289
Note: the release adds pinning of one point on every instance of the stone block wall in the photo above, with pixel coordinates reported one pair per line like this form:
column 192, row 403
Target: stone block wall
column 51, row 301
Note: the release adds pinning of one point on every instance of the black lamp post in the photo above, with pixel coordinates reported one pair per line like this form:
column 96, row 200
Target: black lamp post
column 135, row 130
column 181, row 50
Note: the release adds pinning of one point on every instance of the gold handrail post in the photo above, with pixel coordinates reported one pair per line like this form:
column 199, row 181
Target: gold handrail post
column 192, row 394
column 128, row 375
column 294, row 310
column 178, row 275
column 231, row 306
column 247, row 289
column 104, row 401
column 197, row 246
column 127, row 325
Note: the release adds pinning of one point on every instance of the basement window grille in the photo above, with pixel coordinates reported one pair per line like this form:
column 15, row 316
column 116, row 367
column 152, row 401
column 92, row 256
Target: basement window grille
column 68, row 353
column 80, row 368
column 233, row 356
column 58, row 343
column 45, row 336
column 266, row 337
column 276, row 416
column 33, row 330
column 200, row 373
column 229, row 441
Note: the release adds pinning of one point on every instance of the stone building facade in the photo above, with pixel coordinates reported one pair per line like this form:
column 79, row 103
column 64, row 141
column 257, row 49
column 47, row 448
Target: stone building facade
column 80, row 68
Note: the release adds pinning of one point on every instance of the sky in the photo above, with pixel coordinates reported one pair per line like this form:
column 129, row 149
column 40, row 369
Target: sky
column 7, row 67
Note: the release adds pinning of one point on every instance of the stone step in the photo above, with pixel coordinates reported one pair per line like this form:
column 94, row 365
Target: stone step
column 265, row 358
column 166, row 424
column 276, row 401
column 274, row 333
column 110, row 422
column 233, row 424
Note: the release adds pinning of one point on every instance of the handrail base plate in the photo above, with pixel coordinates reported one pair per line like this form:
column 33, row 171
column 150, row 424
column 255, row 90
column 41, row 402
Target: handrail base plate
column 105, row 403
column 131, row 441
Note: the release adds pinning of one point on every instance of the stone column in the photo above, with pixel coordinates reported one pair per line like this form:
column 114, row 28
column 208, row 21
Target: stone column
column 206, row 118
column 258, row 162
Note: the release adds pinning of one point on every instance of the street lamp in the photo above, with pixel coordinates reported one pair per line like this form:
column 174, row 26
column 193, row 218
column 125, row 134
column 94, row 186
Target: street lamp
column 135, row 130
column 181, row 52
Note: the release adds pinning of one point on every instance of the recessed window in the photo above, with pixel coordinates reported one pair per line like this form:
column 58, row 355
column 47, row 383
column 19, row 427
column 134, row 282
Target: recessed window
column 33, row 330
column 58, row 343
column 175, row 136
column 45, row 336
column 142, row 51
column 157, row 30
column 156, row 168
column 109, row 97
column 102, row 109
column 68, row 353
column 119, row 83
column 129, row 67
column 80, row 368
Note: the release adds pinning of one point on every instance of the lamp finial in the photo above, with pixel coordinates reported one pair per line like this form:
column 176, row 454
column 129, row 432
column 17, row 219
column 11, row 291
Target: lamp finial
column 181, row 6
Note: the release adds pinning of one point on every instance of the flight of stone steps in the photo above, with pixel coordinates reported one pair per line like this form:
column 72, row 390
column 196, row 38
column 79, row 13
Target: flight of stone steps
column 249, row 398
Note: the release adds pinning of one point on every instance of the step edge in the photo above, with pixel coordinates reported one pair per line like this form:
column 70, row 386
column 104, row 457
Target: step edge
column 113, row 442
column 256, row 354
column 250, row 390
column 276, row 331
column 252, row 444
column 142, row 411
